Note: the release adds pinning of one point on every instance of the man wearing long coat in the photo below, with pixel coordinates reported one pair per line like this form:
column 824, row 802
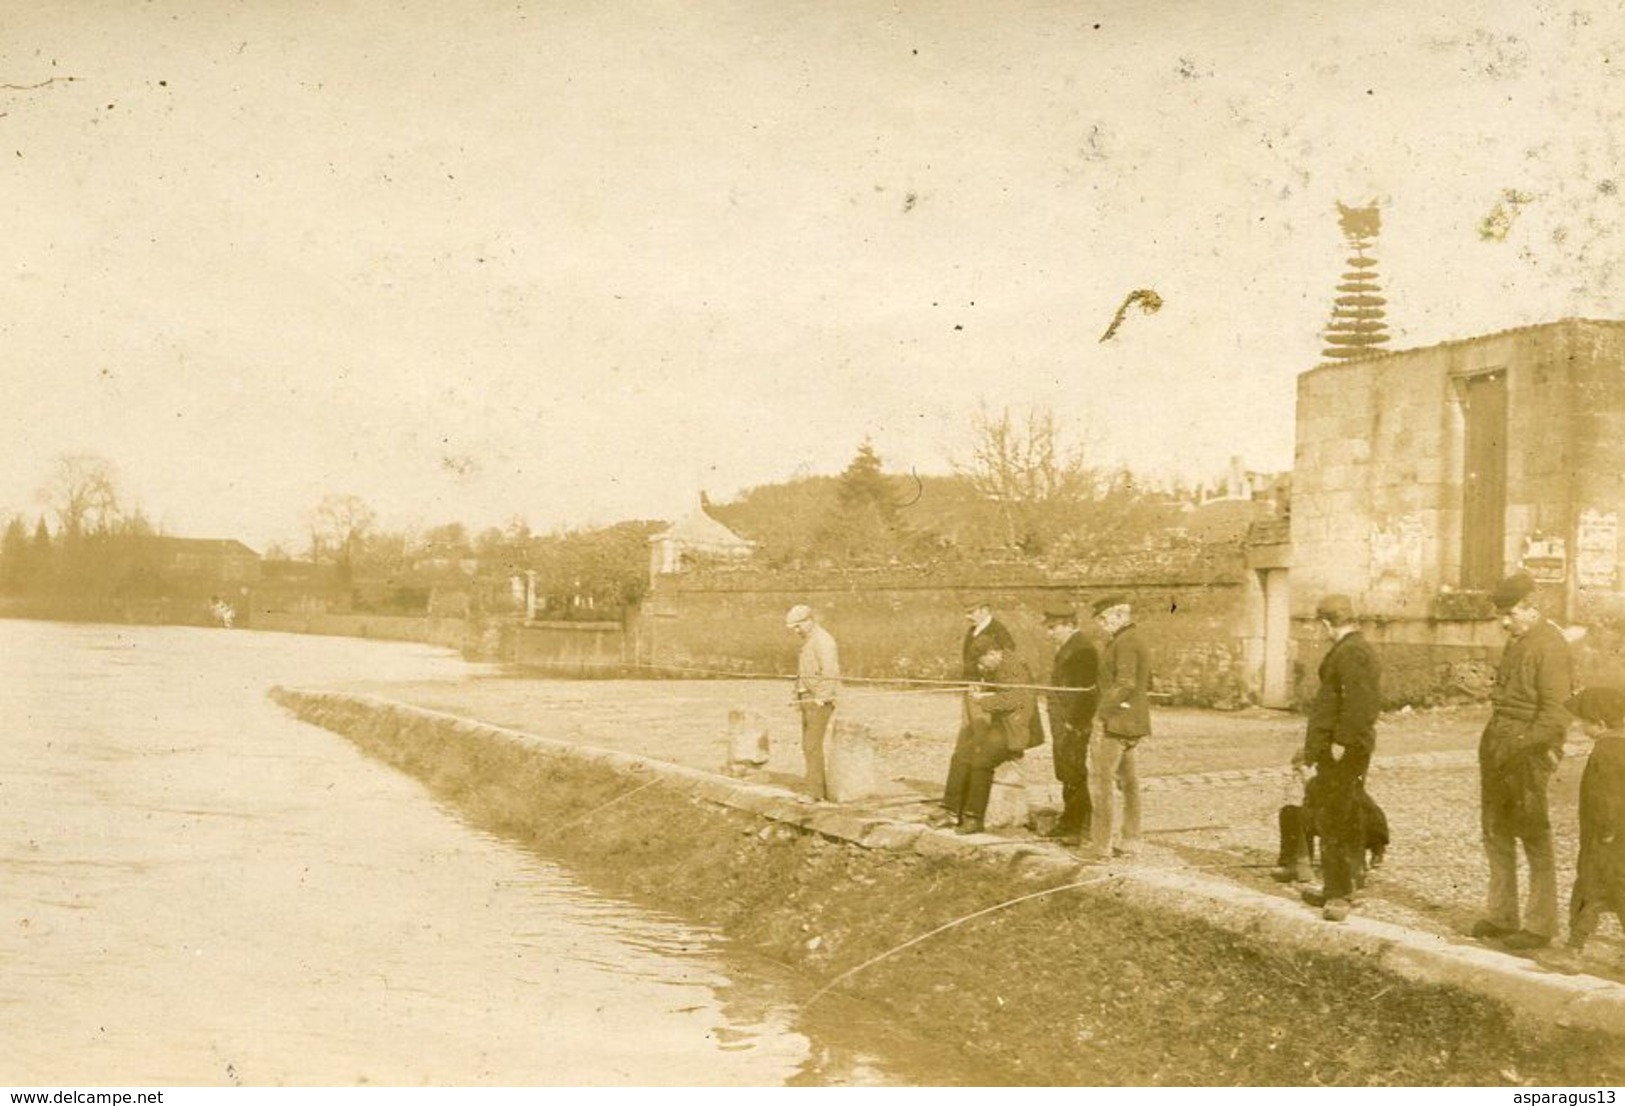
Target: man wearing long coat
column 1125, row 718
column 1076, row 668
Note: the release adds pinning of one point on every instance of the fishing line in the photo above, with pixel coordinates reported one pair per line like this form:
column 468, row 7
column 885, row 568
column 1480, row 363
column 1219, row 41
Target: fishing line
column 872, row 961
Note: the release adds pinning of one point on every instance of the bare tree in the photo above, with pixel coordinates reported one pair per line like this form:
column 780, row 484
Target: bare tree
column 336, row 525
column 1025, row 464
column 83, row 494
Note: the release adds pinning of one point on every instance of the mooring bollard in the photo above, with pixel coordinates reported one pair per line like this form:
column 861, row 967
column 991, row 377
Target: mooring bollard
column 849, row 762
column 1007, row 805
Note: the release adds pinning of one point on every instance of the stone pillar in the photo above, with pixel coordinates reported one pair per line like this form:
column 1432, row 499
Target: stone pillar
column 849, row 762
column 749, row 747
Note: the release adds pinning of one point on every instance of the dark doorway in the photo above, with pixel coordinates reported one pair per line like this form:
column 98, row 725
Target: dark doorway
column 1484, row 480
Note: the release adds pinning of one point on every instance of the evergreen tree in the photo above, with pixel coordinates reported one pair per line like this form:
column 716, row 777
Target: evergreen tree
column 863, row 484
column 862, row 527
column 42, row 561
column 14, row 558
column 1358, row 324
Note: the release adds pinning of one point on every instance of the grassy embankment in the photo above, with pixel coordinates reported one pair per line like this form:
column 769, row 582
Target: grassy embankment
column 1072, row 988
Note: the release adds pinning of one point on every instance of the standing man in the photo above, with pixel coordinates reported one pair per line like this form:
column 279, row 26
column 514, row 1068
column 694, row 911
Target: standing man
column 818, row 678
column 1517, row 755
column 1125, row 718
column 1341, row 736
column 984, row 632
column 1071, row 717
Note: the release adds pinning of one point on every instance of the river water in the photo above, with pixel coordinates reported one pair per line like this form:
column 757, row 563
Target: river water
column 197, row 889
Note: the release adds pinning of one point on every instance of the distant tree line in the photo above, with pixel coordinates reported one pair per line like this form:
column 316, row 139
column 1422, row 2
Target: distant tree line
column 1022, row 491
column 97, row 548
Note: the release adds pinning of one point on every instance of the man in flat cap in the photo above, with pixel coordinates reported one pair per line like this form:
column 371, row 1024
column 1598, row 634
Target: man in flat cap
column 1519, row 751
column 818, row 679
column 1071, row 717
column 1125, row 718
column 1341, row 735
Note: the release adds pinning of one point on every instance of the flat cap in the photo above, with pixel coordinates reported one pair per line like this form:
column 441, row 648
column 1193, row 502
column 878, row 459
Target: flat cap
column 1336, row 609
column 1109, row 602
column 1512, row 591
column 1059, row 614
column 1599, row 704
column 797, row 614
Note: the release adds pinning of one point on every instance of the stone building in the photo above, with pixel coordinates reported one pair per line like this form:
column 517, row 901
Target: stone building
column 1423, row 476
column 202, row 564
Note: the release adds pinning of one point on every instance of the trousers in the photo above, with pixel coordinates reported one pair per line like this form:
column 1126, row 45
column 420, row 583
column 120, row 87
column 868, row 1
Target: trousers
column 979, row 750
column 1114, row 770
column 1072, row 769
column 1340, row 818
column 814, row 725
column 1509, row 815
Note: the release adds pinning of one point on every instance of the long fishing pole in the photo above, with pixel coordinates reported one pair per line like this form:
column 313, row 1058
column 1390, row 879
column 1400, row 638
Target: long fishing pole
column 873, row 960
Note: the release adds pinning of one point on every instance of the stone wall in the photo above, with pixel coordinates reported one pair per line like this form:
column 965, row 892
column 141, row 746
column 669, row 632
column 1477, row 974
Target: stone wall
column 909, row 624
column 573, row 648
column 449, row 633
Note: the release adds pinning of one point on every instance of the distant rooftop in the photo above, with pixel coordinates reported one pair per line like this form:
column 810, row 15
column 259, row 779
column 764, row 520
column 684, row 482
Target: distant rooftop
column 217, row 546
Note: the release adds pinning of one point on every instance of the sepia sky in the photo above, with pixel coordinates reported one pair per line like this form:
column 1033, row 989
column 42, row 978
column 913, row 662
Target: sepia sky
column 575, row 261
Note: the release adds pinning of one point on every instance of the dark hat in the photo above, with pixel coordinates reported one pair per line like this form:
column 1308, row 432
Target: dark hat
column 978, row 601
column 1336, row 609
column 1109, row 602
column 1599, row 704
column 1060, row 614
column 1512, row 591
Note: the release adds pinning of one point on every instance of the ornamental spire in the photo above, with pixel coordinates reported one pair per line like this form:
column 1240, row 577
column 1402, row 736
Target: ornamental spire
column 1358, row 325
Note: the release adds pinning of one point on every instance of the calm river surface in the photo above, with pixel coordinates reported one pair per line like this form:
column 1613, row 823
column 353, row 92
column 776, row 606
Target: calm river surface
column 195, row 888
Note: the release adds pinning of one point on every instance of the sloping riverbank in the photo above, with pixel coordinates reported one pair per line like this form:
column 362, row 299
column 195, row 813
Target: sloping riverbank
column 1121, row 975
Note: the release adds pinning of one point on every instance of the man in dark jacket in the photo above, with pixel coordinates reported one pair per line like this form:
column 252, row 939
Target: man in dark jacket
column 984, row 632
column 1519, row 751
column 1341, row 736
column 1071, row 716
column 1125, row 718
column 1003, row 724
